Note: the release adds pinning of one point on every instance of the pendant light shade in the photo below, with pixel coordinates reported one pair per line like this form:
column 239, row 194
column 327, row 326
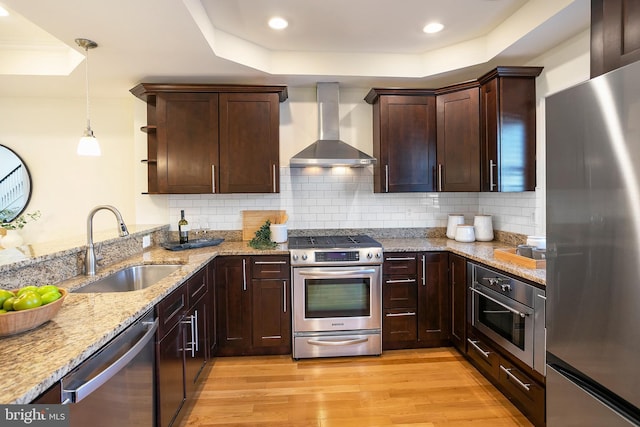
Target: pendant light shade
column 88, row 145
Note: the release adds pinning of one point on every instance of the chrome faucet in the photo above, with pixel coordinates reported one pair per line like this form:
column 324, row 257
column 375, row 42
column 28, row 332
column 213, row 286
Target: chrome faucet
column 90, row 259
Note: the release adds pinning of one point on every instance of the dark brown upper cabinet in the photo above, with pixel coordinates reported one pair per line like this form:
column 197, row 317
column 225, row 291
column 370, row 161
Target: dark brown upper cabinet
column 404, row 139
column 508, row 129
column 615, row 34
column 212, row 138
column 458, row 130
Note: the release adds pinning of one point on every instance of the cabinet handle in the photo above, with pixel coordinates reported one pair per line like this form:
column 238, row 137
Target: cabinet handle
column 507, row 371
column 269, row 262
column 491, row 179
column 400, row 259
column 439, row 176
column 477, row 347
column 274, row 178
column 424, row 271
column 244, row 274
column 196, row 339
column 400, row 281
column 213, row 178
column 284, row 296
column 191, row 343
column 409, row 313
column 386, row 178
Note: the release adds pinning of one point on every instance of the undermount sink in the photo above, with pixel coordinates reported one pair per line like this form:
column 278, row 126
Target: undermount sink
column 130, row 279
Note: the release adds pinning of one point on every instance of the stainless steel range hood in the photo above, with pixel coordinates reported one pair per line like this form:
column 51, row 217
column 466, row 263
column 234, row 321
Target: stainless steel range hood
column 329, row 150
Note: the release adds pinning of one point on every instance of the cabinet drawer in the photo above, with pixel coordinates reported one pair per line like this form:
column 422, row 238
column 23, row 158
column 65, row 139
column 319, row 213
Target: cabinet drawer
column 402, row 263
column 399, row 328
column 171, row 310
column 487, row 360
column 197, row 287
column 270, row 267
column 399, row 292
column 526, row 394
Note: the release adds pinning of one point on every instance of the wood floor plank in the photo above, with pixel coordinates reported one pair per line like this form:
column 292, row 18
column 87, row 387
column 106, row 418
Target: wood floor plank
column 403, row 388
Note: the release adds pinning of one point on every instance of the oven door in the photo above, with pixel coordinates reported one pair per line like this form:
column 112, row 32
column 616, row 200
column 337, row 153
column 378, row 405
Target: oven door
column 336, row 298
column 504, row 320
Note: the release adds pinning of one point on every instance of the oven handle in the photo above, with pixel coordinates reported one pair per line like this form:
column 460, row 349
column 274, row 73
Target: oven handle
column 499, row 303
column 334, row 273
column 338, row 343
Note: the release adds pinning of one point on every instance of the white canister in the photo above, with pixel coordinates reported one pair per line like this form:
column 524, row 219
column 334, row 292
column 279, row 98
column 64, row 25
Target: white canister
column 278, row 232
column 454, row 221
column 539, row 242
column 483, row 228
column 465, row 233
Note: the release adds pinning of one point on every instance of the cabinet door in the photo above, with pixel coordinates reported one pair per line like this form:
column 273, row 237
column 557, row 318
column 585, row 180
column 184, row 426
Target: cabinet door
column 171, row 391
column 615, row 34
column 249, row 143
column 458, row 279
column 233, row 299
column 508, row 138
column 196, row 343
column 187, row 138
column 434, row 322
column 271, row 316
column 458, row 124
column 212, row 321
column 405, row 143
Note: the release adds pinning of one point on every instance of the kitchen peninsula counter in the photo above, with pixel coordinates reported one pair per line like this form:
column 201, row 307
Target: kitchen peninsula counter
column 35, row 360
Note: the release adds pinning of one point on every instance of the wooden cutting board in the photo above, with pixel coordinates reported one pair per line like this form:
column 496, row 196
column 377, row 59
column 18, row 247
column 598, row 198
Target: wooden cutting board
column 253, row 220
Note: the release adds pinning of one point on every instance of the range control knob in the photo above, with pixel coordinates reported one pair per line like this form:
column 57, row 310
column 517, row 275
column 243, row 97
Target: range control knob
column 369, row 255
column 295, row 257
column 378, row 255
column 304, row 257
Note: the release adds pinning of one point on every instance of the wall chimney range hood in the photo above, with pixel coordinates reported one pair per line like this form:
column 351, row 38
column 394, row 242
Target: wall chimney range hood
column 329, row 150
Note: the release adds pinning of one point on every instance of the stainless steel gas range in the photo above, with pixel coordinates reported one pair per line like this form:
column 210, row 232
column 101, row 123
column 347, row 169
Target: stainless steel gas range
column 337, row 291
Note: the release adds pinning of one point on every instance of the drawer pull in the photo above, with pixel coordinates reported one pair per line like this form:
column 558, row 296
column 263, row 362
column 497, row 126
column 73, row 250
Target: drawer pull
column 400, row 259
column 507, row 371
column 477, row 347
column 401, row 281
column 269, row 262
column 410, row 313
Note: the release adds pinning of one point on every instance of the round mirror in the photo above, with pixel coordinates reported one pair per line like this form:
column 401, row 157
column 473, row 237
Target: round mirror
column 15, row 185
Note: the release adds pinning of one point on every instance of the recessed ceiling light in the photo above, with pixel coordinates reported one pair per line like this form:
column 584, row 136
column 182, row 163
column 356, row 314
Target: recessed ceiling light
column 278, row 23
column 3, row 11
column 433, row 27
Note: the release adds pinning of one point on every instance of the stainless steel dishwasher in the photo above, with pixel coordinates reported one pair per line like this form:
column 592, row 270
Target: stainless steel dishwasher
column 115, row 386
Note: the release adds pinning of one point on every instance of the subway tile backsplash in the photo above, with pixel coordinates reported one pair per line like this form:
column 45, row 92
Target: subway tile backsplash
column 338, row 198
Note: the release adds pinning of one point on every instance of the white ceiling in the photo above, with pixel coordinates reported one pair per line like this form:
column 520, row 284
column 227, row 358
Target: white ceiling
column 360, row 43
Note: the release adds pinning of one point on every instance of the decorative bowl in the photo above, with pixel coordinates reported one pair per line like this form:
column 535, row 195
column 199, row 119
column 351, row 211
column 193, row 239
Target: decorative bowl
column 14, row 322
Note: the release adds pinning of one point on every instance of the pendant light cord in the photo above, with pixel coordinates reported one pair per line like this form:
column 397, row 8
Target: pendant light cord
column 86, row 77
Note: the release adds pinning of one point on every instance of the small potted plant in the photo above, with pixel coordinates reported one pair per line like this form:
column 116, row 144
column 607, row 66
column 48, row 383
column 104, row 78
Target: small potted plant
column 12, row 237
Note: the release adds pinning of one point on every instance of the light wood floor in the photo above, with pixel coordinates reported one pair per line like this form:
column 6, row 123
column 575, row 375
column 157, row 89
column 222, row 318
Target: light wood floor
column 427, row 387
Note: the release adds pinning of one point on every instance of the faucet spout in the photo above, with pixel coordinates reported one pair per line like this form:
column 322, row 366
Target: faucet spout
column 90, row 259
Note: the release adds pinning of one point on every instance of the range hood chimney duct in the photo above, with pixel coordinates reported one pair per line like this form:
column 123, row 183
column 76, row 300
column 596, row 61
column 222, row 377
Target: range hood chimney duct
column 329, row 150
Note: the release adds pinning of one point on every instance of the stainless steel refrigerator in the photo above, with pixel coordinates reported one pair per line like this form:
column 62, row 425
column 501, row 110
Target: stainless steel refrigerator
column 593, row 252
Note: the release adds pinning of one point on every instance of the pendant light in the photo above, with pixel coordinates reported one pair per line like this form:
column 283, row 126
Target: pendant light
column 88, row 145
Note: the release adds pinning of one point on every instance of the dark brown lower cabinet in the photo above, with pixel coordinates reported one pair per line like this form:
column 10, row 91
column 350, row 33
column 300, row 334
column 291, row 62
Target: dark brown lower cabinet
column 434, row 312
column 415, row 299
column 181, row 346
column 253, row 300
column 458, row 282
column 524, row 388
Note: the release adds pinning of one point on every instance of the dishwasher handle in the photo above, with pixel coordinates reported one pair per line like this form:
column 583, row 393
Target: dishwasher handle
column 79, row 393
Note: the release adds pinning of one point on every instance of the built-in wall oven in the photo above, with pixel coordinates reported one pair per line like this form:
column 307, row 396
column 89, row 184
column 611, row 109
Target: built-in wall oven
column 337, row 287
column 510, row 312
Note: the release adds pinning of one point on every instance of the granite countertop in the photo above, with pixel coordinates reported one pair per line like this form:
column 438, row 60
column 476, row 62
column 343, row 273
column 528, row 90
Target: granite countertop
column 36, row 359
